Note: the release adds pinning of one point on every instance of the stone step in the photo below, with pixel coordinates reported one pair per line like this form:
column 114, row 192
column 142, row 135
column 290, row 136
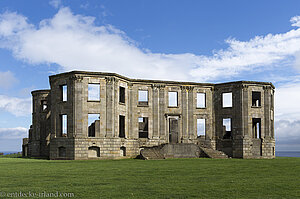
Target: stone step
column 151, row 153
column 211, row 153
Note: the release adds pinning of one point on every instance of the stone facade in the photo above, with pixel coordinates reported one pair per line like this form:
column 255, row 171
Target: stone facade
column 169, row 112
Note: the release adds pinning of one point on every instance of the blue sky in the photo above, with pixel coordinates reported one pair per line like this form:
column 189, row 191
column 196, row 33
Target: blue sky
column 202, row 41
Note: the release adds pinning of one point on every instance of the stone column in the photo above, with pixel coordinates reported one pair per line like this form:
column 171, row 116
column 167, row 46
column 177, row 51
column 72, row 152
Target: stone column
column 110, row 106
column 130, row 114
column 115, row 109
column 190, row 112
column 245, row 112
column 155, row 108
column 78, row 121
column 161, row 112
column 267, row 111
column 185, row 127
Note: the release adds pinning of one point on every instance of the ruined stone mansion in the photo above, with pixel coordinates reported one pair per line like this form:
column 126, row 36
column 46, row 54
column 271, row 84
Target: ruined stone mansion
column 105, row 115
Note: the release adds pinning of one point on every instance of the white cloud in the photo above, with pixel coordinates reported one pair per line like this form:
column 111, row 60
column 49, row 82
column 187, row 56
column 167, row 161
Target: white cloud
column 12, row 23
column 75, row 42
column 55, row 3
column 295, row 21
column 7, row 79
column 13, row 133
column 287, row 102
column 16, row 106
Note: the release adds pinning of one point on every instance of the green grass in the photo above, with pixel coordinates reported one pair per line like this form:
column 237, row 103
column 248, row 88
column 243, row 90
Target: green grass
column 172, row 178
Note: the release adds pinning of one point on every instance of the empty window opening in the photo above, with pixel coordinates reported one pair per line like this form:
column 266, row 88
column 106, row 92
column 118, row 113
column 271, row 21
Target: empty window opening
column 256, row 99
column 93, row 124
column 256, row 125
column 44, row 104
column 272, row 100
column 93, row 152
column 94, row 92
column 143, row 127
column 61, row 151
column 122, row 126
column 226, row 128
column 64, row 93
column 143, row 97
column 122, row 94
column 173, row 99
column 201, row 100
column 64, row 125
column 227, row 100
column 122, row 151
column 200, row 127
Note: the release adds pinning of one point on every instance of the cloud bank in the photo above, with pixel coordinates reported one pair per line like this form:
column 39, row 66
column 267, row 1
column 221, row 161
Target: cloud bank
column 15, row 106
column 76, row 42
column 13, row 133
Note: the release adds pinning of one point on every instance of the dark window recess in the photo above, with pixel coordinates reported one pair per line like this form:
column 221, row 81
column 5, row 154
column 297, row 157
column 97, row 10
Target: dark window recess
column 122, row 126
column 122, row 94
column 256, row 99
column 94, row 151
column 122, row 151
column 92, row 130
column 143, row 127
column 227, row 128
column 256, row 126
column 44, row 105
column 93, row 124
column 61, row 151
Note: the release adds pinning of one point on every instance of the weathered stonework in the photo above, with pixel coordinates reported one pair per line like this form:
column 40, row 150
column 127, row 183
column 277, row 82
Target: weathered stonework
column 252, row 122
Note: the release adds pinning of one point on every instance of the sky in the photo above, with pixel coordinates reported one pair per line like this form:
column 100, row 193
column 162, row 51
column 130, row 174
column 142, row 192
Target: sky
column 203, row 41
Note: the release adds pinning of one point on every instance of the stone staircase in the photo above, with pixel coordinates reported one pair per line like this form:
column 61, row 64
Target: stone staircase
column 211, row 153
column 180, row 151
column 152, row 153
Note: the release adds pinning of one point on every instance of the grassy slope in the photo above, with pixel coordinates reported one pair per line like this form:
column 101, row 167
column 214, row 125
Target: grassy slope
column 172, row 178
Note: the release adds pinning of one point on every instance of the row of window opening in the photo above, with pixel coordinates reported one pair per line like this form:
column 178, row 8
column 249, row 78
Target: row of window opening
column 94, row 95
column 143, row 126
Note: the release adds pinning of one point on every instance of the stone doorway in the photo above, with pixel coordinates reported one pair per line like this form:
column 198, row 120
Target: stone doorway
column 93, row 152
column 173, row 130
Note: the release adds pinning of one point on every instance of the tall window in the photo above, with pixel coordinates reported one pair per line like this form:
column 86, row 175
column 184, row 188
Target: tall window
column 64, row 125
column 227, row 100
column 143, row 97
column 200, row 127
column 121, row 126
column 93, row 124
column 227, row 128
column 173, row 99
column 201, row 100
column 64, row 93
column 122, row 94
column 143, row 127
column 256, row 125
column 94, row 92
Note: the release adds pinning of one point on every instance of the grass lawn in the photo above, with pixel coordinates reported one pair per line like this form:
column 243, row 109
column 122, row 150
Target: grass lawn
column 171, row 178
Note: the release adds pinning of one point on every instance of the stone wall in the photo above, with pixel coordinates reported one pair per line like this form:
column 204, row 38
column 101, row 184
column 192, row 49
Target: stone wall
column 77, row 144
